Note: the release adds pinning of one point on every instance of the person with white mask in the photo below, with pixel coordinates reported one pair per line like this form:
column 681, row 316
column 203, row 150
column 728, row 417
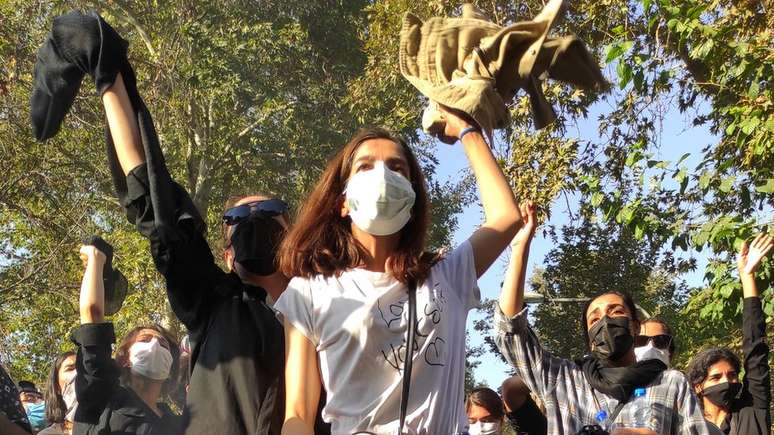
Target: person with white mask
column 655, row 341
column 122, row 394
column 486, row 413
column 59, row 396
column 358, row 256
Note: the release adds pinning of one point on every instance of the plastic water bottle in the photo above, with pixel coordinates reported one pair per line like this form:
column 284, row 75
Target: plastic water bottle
column 641, row 413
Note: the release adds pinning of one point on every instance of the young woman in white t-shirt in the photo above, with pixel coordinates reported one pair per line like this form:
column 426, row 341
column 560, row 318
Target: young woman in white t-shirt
column 358, row 241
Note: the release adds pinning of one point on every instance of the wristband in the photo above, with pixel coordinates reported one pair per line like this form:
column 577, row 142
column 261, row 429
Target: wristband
column 466, row 131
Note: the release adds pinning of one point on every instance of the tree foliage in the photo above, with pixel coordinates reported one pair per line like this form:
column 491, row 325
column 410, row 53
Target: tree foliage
column 247, row 97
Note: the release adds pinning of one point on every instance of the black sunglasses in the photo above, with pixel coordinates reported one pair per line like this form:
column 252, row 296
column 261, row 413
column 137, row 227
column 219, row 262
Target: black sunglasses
column 267, row 207
column 661, row 341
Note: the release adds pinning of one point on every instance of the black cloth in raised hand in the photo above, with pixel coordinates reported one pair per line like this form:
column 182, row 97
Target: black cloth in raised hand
column 78, row 44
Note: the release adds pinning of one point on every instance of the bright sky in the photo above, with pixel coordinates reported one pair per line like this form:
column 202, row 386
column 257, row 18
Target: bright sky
column 674, row 143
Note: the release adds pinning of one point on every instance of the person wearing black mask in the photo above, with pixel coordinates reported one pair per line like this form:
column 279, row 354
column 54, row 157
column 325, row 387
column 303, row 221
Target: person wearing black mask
column 739, row 407
column 237, row 343
column 608, row 389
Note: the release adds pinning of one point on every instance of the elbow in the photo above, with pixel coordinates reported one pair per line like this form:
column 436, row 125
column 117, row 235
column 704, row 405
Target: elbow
column 92, row 313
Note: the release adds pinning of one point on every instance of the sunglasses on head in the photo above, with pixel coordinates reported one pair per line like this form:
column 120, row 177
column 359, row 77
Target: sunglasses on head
column 242, row 212
column 659, row 341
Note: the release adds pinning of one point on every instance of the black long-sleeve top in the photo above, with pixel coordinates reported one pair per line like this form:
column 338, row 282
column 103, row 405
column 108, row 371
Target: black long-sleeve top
column 237, row 342
column 750, row 414
column 105, row 407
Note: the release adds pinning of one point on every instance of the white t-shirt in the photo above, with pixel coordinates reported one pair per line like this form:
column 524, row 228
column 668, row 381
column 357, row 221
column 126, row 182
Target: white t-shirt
column 358, row 321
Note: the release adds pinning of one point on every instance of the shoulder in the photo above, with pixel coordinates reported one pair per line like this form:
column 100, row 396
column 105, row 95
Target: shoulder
column 54, row 429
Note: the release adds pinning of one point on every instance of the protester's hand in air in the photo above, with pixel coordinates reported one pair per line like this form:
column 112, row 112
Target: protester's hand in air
column 750, row 256
column 454, row 123
column 91, row 253
column 529, row 219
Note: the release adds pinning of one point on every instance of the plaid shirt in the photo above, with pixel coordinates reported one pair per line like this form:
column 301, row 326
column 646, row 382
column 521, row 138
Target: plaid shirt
column 571, row 403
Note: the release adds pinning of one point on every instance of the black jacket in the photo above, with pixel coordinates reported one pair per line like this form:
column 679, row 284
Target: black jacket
column 750, row 413
column 237, row 357
column 105, row 407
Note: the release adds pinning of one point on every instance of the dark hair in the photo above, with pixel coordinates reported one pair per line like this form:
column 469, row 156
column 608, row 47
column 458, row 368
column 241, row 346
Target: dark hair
column 628, row 303
column 55, row 405
column 27, row 387
column 321, row 241
column 699, row 366
column 487, row 399
column 673, row 342
column 122, row 355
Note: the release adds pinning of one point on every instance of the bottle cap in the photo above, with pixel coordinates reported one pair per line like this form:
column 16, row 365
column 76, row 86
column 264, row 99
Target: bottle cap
column 639, row 392
column 601, row 416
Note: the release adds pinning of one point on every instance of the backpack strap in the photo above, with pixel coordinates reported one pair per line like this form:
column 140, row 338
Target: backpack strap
column 408, row 357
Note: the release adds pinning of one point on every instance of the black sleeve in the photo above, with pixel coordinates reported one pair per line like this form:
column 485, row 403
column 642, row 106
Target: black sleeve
column 757, row 379
column 97, row 375
column 179, row 248
column 528, row 419
column 10, row 405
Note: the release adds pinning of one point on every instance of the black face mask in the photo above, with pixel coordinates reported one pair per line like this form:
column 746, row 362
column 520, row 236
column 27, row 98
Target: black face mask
column 723, row 394
column 255, row 243
column 610, row 338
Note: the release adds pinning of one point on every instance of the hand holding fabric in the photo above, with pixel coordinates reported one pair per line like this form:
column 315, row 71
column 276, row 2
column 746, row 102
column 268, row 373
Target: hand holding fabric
column 78, row 44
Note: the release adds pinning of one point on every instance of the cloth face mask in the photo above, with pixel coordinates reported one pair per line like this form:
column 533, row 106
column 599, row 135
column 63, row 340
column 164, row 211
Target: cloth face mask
column 723, row 394
column 651, row 352
column 150, row 359
column 610, row 338
column 484, row 428
column 255, row 243
column 379, row 200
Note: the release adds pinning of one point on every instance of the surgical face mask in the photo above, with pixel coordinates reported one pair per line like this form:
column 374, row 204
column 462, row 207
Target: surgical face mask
column 611, row 338
column 651, row 352
column 722, row 394
column 71, row 402
column 379, row 200
column 482, row 428
column 36, row 413
column 255, row 243
column 150, row 359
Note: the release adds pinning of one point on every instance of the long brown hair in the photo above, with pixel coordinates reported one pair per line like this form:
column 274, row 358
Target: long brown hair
column 55, row 405
column 321, row 241
column 122, row 355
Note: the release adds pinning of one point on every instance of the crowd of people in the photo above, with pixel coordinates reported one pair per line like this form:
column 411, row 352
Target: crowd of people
column 341, row 322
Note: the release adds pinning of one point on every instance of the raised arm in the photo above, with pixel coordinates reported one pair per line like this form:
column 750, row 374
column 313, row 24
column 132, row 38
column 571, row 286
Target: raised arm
column 96, row 373
column 302, row 383
column 512, row 293
column 757, row 375
column 122, row 122
column 501, row 212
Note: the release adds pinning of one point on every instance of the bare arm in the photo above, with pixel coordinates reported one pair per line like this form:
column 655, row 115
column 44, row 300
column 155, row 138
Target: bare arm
column 302, row 383
column 92, row 299
column 512, row 294
column 123, row 126
column 501, row 212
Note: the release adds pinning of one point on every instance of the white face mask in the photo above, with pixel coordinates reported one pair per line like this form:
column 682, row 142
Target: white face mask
column 651, row 352
column 379, row 200
column 150, row 359
column 483, row 428
column 71, row 402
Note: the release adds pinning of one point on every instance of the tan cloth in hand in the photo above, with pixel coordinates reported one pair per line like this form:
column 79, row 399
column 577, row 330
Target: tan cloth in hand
column 473, row 65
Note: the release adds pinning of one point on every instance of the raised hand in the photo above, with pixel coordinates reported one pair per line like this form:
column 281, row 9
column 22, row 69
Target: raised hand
column 90, row 253
column 529, row 219
column 750, row 256
column 454, row 122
